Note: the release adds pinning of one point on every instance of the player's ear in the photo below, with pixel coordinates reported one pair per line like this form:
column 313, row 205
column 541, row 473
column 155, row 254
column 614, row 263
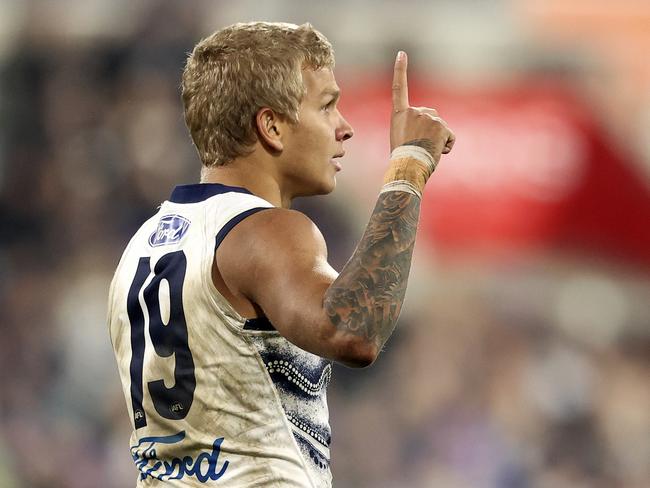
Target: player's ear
column 269, row 129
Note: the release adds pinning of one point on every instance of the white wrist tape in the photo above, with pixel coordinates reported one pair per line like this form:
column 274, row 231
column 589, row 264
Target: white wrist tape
column 401, row 185
column 415, row 152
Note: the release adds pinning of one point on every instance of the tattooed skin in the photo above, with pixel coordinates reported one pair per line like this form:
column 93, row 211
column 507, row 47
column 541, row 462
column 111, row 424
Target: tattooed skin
column 367, row 296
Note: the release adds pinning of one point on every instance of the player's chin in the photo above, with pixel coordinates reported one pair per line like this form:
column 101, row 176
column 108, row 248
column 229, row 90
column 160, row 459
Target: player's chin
column 321, row 187
column 329, row 186
column 325, row 184
column 325, row 188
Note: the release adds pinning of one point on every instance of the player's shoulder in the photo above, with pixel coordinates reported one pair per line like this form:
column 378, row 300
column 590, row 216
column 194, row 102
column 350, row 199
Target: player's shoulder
column 142, row 235
column 266, row 248
column 269, row 238
column 278, row 227
column 273, row 218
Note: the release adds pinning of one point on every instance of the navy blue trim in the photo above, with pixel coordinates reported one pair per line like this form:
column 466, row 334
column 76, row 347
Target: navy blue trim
column 260, row 323
column 233, row 222
column 202, row 191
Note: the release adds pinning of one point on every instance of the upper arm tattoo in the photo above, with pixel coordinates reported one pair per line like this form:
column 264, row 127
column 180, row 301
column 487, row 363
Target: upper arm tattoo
column 367, row 296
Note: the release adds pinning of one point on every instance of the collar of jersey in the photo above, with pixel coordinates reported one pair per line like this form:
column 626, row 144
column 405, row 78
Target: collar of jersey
column 202, row 191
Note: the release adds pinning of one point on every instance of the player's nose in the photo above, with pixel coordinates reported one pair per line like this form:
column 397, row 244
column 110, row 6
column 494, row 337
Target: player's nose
column 344, row 130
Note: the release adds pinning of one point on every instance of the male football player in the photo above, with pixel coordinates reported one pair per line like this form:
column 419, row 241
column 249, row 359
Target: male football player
column 224, row 313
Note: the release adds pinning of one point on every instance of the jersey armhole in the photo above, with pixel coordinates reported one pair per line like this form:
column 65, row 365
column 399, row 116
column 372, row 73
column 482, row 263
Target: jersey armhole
column 230, row 225
column 254, row 325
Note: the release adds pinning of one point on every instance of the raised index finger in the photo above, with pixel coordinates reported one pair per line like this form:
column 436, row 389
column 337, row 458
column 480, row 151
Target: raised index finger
column 400, row 83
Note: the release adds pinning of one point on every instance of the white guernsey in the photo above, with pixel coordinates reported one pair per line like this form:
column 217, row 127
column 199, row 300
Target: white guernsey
column 214, row 399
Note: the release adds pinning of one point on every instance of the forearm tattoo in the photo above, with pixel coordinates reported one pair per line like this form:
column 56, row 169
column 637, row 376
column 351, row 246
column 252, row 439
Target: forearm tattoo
column 367, row 296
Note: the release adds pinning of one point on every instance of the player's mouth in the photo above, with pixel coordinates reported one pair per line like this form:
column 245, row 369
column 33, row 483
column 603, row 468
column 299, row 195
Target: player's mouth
column 336, row 164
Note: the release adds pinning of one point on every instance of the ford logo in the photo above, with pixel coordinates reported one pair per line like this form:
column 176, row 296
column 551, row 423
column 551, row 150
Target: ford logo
column 171, row 229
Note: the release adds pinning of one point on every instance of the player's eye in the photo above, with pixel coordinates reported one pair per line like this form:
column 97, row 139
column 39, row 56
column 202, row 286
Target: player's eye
column 329, row 106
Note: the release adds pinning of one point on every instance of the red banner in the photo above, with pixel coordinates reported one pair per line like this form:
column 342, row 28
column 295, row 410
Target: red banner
column 532, row 168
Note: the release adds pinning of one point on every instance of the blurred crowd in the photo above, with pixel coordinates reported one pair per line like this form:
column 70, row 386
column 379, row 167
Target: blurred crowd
column 533, row 374
column 490, row 382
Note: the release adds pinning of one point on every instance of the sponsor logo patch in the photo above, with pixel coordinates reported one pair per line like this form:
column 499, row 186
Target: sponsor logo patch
column 204, row 467
column 171, row 229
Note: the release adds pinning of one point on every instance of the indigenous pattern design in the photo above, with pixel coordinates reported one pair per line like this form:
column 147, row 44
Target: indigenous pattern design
column 301, row 380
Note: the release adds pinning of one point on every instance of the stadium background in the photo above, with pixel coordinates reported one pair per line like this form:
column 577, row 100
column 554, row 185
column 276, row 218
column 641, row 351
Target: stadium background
column 522, row 357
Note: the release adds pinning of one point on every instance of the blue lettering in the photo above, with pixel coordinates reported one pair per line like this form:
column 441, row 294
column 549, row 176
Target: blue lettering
column 170, row 467
column 204, row 467
column 211, row 459
column 152, row 469
column 214, row 457
column 187, row 464
column 196, row 470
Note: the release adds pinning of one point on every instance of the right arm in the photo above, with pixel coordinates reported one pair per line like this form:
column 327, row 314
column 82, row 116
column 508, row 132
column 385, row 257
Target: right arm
column 346, row 317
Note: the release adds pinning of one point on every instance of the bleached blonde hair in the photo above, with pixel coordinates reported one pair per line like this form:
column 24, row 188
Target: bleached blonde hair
column 232, row 74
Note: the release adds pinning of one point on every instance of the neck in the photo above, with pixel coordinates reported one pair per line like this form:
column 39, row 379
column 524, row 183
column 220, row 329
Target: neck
column 249, row 174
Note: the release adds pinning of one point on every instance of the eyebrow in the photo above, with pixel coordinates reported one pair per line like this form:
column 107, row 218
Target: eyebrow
column 335, row 94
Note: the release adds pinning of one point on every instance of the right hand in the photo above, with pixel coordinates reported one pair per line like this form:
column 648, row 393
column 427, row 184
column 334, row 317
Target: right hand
column 410, row 124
